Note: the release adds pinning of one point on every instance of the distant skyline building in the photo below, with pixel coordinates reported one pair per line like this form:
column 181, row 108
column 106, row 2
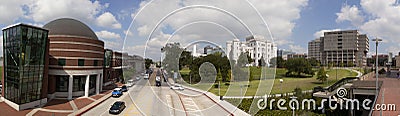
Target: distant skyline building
column 255, row 45
column 348, row 47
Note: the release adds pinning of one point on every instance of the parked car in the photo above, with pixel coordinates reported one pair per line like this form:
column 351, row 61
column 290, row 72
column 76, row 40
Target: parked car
column 146, row 76
column 116, row 92
column 117, row 107
column 129, row 83
column 176, row 87
column 124, row 88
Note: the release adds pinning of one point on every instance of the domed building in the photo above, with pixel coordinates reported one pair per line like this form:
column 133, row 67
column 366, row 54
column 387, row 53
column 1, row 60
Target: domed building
column 75, row 59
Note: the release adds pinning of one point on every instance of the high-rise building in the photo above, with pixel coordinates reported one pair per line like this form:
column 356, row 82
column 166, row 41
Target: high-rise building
column 256, row 46
column 25, row 58
column 314, row 49
column 340, row 47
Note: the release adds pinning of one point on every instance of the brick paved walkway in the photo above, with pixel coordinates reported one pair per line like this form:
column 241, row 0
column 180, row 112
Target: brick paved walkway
column 389, row 94
column 59, row 107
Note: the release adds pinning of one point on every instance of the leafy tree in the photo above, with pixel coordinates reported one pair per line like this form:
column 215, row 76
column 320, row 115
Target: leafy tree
column 172, row 52
column 277, row 62
column 261, row 61
column 298, row 92
column 314, row 62
column 298, row 66
column 148, row 62
column 185, row 59
column 350, row 64
column 242, row 60
column 341, row 64
column 321, row 76
column 249, row 59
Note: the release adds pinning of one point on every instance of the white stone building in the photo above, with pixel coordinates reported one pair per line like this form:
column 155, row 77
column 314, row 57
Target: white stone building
column 256, row 46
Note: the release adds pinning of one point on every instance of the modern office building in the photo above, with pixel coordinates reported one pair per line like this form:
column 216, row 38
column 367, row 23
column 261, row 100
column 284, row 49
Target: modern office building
column 255, row 45
column 25, row 66
column 348, row 47
column 64, row 59
column 314, row 49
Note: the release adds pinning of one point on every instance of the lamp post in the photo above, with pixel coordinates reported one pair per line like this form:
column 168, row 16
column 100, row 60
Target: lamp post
column 376, row 66
column 281, row 80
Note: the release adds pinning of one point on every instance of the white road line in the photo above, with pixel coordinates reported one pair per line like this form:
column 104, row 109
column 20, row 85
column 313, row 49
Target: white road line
column 169, row 102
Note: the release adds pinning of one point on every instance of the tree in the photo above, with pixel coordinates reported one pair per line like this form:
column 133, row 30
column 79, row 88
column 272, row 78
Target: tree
column 298, row 66
column 148, row 62
column 321, row 76
column 249, row 59
column 172, row 52
column 185, row 59
column 277, row 62
column 261, row 61
column 242, row 60
column 314, row 62
column 341, row 64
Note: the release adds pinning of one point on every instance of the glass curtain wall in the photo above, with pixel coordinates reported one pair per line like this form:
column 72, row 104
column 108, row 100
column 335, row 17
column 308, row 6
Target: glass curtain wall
column 24, row 52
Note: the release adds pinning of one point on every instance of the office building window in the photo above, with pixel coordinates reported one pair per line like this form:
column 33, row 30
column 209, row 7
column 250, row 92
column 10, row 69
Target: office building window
column 81, row 62
column 61, row 62
column 95, row 63
column 62, row 83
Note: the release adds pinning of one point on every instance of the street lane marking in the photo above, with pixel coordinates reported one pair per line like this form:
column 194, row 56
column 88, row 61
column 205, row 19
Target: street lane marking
column 169, row 103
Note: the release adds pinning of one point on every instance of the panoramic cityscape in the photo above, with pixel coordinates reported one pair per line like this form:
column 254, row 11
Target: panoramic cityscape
column 201, row 58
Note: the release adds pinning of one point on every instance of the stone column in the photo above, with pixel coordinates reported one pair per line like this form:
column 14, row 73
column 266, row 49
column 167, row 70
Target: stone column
column 97, row 83
column 101, row 82
column 70, row 86
column 87, row 86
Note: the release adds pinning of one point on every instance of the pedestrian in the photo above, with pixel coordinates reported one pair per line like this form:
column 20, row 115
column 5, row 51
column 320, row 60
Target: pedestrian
column 398, row 75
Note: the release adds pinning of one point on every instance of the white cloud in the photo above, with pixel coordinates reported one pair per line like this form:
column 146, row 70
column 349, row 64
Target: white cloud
column 321, row 32
column 113, row 45
column 108, row 20
column 280, row 22
column 386, row 21
column 143, row 30
column 352, row 14
column 47, row 10
column 298, row 49
column 11, row 10
column 108, row 35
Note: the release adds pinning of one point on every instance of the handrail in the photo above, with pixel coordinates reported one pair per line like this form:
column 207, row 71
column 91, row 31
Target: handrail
column 340, row 83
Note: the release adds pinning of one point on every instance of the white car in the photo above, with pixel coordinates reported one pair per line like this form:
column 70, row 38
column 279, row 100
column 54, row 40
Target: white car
column 146, row 76
column 129, row 83
column 176, row 87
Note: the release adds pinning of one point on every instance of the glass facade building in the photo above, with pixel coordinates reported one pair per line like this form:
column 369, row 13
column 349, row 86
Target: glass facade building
column 24, row 63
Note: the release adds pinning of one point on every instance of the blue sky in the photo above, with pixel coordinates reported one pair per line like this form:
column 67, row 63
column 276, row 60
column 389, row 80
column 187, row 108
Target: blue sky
column 292, row 23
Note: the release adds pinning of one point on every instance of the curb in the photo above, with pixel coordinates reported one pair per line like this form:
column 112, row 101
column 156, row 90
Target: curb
column 81, row 113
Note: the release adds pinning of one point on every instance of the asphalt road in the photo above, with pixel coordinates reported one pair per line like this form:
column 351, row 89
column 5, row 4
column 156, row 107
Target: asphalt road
column 145, row 99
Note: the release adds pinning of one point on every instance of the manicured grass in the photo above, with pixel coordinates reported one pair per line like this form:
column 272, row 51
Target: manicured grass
column 288, row 85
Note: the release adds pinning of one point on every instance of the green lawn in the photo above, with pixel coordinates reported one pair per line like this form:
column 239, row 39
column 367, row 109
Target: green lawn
column 288, row 85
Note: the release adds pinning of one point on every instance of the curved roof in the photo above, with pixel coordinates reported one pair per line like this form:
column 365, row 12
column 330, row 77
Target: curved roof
column 68, row 26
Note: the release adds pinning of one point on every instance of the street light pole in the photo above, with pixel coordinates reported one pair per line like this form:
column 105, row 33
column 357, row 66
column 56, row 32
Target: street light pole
column 376, row 66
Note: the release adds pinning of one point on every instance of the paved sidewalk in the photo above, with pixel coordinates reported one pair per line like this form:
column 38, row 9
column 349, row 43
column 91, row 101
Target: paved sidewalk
column 389, row 94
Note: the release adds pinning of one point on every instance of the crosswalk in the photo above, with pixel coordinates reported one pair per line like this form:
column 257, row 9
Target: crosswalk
column 191, row 108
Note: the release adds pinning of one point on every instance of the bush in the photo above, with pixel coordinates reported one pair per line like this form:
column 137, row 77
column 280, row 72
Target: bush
column 216, row 85
column 382, row 71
